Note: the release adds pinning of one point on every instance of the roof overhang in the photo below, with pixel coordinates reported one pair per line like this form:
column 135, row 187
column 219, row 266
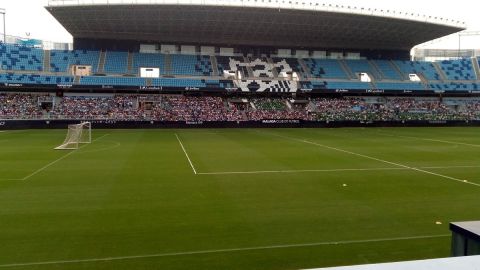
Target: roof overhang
column 235, row 25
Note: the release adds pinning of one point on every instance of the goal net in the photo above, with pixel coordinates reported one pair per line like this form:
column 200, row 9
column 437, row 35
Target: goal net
column 77, row 134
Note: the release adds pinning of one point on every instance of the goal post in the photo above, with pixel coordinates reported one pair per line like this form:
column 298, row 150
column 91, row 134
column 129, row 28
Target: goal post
column 76, row 135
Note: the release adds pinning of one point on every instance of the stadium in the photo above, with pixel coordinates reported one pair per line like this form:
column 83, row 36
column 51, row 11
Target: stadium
column 237, row 134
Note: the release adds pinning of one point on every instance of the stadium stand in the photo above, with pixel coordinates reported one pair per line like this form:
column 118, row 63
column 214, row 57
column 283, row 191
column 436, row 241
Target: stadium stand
column 326, row 68
column 121, row 81
column 456, row 86
column 457, row 70
column 362, row 66
column 16, row 57
column 148, row 60
column 425, row 69
column 116, row 62
column 34, row 79
column 61, row 61
column 197, row 65
column 206, row 108
column 400, row 86
column 388, row 71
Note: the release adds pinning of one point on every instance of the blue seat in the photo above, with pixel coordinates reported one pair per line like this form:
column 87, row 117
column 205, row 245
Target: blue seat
column 17, row 57
column 325, row 68
column 456, row 70
column 116, row 62
column 60, row 61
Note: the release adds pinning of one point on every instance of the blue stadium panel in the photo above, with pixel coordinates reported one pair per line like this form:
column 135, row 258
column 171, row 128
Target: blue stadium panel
column 400, row 86
column 170, row 82
column 388, row 71
column 455, row 86
column 313, row 85
column 325, row 68
column 416, row 67
column 348, row 85
column 116, row 62
column 148, row 60
column 34, row 79
column 15, row 57
column 457, row 70
column 197, row 65
column 60, row 61
column 114, row 81
column 362, row 66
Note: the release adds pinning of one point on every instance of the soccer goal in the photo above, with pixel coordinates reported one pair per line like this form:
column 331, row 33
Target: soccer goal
column 77, row 134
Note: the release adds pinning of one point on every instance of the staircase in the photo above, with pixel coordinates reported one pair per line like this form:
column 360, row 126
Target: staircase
column 101, row 62
column 46, row 61
column 274, row 69
column 148, row 81
column 76, row 80
column 347, row 70
column 213, row 61
column 305, row 68
column 378, row 74
column 249, row 69
column 439, row 71
column 130, row 63
column 476, row 67
column 423, row 80
column 397, row 69
column 311, row 107
column 168, row 64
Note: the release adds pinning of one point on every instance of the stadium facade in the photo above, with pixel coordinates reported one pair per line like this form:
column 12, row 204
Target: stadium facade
column 241, row 50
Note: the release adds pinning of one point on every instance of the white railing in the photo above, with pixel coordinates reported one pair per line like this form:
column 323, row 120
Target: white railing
column 274, row 4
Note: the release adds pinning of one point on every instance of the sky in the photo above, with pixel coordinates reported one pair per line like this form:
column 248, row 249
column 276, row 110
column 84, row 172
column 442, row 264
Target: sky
column 29, row 18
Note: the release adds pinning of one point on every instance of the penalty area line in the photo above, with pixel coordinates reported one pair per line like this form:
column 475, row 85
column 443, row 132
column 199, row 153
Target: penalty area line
column 227, row 250
column 335, row 170
column 377, row 159
column 186, row 154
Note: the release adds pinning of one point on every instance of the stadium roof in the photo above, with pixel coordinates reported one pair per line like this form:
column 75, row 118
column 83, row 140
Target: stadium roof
column 277, row 23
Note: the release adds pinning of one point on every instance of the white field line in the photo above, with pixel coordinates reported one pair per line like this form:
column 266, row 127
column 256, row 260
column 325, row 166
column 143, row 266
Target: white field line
column 301, row 171
column 216, row 251
column 377, row 159
column 53, row 162
column 186, row 154
column 431, row 140
column 335, row 170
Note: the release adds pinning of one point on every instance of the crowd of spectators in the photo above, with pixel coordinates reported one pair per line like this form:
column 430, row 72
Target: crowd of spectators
column 20, row 106
column 206, row 108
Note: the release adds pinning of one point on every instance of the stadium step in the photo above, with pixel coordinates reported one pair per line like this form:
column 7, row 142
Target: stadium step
column 304, row 66
column 76, row 80
column 148, row 81
column 476, row 67
column 213, row 61
column 397, row 69
column 130, row 63
column 347, row 70
column 168, row 64
column 440, row 71
column 378, row 74
column 274, row 69
column 101, row 62
column 249, row 69
column 46, row 61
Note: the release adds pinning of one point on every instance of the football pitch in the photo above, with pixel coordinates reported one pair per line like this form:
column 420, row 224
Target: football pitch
column 265, row 199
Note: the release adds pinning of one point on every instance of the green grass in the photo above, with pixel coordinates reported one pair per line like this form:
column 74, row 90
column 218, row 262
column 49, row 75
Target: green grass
column 134, row 193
